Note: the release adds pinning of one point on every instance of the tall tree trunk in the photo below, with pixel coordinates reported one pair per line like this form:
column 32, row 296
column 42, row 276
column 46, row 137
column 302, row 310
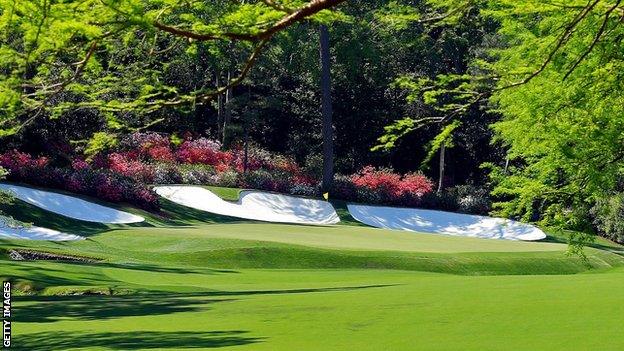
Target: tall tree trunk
column 246, row 147
column 219, row 107
column 326, row 111
column 227, row 114
column 506, row 164
column 441, row 180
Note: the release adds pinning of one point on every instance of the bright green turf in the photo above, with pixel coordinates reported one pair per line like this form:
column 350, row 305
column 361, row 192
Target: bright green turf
column 186, row 279
column 335, row 310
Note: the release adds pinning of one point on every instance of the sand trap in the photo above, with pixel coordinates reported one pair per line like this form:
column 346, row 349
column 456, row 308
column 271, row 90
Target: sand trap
column 70, row 206
column 255, row 205
column 439, row 222
column 33, row 233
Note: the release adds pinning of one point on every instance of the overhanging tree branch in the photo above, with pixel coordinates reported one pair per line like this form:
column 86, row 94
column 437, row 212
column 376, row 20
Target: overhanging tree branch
column 294, row 16
column 591, row 47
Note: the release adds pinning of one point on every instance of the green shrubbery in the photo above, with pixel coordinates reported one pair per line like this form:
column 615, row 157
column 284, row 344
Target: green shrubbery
column 608, row 214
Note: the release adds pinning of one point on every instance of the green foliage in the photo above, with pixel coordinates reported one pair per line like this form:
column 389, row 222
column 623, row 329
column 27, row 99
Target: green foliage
column 5, row 198
column 116, row 58
column 608, row 214
column 562, row 126
column 397, row 16
column 444, row 138
column 100, row 141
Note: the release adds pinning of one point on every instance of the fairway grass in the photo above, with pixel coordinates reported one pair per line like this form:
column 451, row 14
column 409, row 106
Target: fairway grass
column 190, row 280
column 337, row 310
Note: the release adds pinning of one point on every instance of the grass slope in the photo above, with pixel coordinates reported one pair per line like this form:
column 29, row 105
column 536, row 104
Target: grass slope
column 187, row 279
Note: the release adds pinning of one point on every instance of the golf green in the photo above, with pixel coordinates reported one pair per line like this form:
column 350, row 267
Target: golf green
column 189, row 280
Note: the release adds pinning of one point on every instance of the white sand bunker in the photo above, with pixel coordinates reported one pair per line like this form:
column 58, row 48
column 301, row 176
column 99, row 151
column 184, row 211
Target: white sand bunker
column 33, row 233
column 440, row 222
column 70, row 206
column 255, row 205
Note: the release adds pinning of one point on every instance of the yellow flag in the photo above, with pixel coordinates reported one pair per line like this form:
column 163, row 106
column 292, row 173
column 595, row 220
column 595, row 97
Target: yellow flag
column 326, row 196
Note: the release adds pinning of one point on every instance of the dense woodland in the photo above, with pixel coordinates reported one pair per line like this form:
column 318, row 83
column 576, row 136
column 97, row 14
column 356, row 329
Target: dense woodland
column 511, row 107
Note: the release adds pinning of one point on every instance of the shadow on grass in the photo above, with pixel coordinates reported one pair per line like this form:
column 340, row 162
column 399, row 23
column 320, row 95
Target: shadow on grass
column 47, row 309
column 54, row 308
column 344, row 214
column 134, row 340
column 161, row 269
column 48, row 276
column 27, row 213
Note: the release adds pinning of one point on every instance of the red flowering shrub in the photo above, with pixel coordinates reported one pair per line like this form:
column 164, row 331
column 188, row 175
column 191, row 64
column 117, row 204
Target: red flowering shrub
column 146, row 158
column 393, row 184
column 161, row 153
column 81, row 178
column 124, row 164
column 379, row 180
column 148, row 146
column 204, row 151
column 416, row 184
column 19, row 162
column 372, row 185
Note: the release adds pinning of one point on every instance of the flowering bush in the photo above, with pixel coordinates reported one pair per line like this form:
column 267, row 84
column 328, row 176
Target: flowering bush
column 166, row 173
column 149, row 146
column 144, row 141
column 257, row 158
column 125, row 164
column 228, row 179
column 304, row 190
column 203, row 151
column 161, row 153
column 80, row 178
column 379, row 185
column 19, row 162
column 147, row 158
column 198, row 174
column 79, row 164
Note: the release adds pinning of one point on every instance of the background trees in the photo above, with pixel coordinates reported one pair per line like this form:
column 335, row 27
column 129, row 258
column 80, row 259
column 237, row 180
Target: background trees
column 520, row 96
column 562, row 122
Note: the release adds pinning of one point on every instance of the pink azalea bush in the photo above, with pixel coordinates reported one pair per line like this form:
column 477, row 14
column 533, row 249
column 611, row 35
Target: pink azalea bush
column 204, row 151
column 394, row 184
column 145, row 158
column 18, row 162
column 128, row 165
column 384, row 186
column 80, row 178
